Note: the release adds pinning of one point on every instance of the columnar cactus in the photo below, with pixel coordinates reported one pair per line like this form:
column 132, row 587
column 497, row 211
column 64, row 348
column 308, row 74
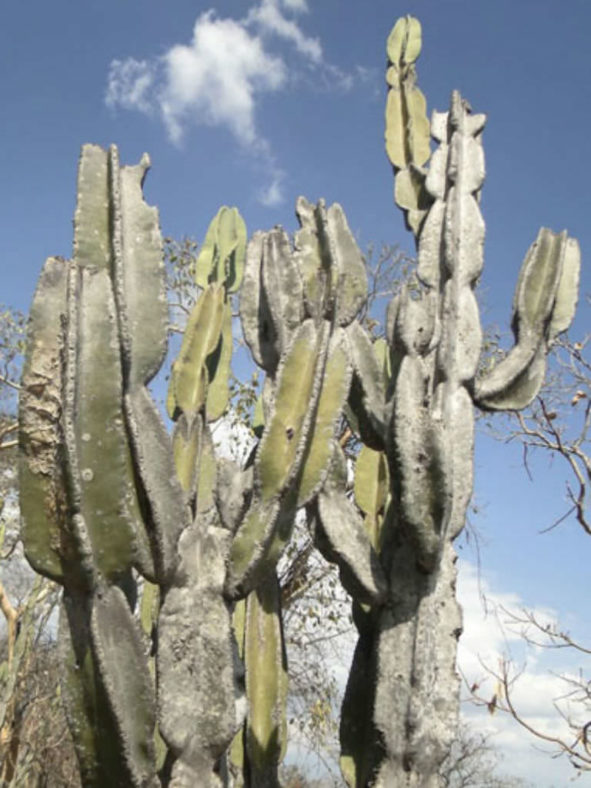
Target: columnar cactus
column 99, row 495
column 191, row 689
column 405, row 658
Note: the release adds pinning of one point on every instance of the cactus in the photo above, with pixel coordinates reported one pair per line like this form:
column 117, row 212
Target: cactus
column 407, row 650
column 89, row 473
column 190, row 689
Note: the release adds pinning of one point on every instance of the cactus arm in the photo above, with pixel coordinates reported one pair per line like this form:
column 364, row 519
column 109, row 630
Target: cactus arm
column 407, row 130
column 568, row 290
column 202, row 335
column 371, row 491
column 351, row 276
column 108, row 502
column 418, row 467
column 543, row 306
column 333, row 394
column 190, row 380
column 271, row 299
column 221, row 258
column 255, row 314
column 149, row 608
column 207, row 473
column 140, row 292
column 268, row 524
column 263, row 534
column 368, row 388
column 407, row 126
column 236, row 759
column 186, row 447
column 310, row 261
column 163, row 503
column 341, row 537
column 104, row 473
column 266, row 684
column 275, row 465
column 43, row 497
column 429, row 254
column 331, row 265
column 516, row 382
column 95, row 736
column 138, row 272
column 218, row 365
column 282, row 286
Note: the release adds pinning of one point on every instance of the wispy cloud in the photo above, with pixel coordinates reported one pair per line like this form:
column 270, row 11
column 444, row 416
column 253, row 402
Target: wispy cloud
column 272, row 194
column 130, row 84
column 269, row 18
column 219, row 77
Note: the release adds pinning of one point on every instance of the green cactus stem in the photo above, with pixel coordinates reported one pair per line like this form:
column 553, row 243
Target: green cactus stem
column 221, row 258
column 340, row 536
column 407, row 125
column 266, row 685
column 371, row 491
column 543, row 306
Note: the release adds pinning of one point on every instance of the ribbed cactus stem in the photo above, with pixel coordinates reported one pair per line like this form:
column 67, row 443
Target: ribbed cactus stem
column 98, row 517
column 408, row 649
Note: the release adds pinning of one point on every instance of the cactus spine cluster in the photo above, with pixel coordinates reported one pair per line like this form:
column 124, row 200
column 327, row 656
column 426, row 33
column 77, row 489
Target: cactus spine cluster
column 191, row 689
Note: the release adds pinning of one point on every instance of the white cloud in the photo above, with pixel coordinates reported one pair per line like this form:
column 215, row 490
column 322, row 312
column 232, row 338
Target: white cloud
column 216, row 78
column 297, row 6
column 272, row 194
column 269, row 18
column 220, row 76
column 129, row 84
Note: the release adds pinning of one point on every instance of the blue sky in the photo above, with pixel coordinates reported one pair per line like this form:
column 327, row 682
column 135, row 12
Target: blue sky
column 254, row 103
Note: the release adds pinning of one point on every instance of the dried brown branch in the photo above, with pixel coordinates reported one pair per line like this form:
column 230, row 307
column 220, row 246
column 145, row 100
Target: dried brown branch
column 576, row 749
